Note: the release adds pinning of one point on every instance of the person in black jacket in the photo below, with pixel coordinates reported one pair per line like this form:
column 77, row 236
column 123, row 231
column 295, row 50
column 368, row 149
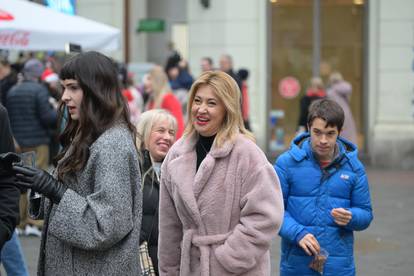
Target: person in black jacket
column 226, row 65
column 8, row 78
column 156, row 130
column 315, row 92
column 31, row 128
column 9, row 194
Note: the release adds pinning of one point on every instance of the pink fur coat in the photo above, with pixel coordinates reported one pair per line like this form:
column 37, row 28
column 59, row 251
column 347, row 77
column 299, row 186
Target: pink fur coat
column 221, row 219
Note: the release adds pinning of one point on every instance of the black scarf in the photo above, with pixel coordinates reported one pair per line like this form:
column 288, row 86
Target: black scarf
column 202, row 147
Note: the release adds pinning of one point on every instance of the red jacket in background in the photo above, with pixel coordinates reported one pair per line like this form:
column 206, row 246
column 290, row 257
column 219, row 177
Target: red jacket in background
column 170, row 103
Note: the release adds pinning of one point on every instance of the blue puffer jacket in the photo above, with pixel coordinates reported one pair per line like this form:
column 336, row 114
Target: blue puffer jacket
column 310, row 193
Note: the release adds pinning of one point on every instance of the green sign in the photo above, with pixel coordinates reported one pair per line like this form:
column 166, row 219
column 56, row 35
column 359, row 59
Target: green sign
column 151, row 25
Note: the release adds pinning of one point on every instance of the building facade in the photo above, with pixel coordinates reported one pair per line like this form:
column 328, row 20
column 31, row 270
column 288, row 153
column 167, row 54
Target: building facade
column 390, row 90
column 370, row 42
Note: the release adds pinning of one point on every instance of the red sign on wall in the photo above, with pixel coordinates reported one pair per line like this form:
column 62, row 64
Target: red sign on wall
column 289, row 87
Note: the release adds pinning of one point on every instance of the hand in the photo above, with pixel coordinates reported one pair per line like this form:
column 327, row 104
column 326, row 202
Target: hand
column 310, row 244
column 6, row 163
column 39, row 181
column 341, row 216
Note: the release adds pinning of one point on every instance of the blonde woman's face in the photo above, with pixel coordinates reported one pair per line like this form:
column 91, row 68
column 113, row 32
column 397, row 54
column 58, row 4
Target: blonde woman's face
column 207, row 111
column 161, row 138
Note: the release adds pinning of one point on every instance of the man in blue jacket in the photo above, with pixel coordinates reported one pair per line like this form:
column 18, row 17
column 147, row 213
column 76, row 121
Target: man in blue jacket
column 326, row 196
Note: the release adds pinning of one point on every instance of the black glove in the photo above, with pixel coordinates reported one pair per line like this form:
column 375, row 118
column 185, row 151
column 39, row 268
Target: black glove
column 39, row 181
column 6, row 163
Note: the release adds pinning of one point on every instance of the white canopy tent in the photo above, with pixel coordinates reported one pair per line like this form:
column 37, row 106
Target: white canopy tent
column 29, row 26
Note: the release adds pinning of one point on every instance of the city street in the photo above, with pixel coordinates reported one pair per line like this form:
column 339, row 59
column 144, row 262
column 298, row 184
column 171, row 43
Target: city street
column 80, row 77
column 386, row 248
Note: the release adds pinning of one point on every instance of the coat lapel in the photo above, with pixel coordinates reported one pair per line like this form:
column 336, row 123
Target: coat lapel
column 207, row 166
column 183, row 175
column 190, row 183
column 203, row 174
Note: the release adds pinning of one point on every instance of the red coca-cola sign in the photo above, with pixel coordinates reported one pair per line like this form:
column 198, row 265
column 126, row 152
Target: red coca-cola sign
column 289, row 87
column 14, row 38
column 6, row 15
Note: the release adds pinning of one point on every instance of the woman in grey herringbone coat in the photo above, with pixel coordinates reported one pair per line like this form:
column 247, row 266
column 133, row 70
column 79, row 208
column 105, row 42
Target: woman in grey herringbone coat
column 92, row 205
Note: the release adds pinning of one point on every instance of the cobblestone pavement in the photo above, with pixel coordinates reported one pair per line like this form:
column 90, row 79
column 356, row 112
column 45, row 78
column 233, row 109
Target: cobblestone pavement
column 385, row 248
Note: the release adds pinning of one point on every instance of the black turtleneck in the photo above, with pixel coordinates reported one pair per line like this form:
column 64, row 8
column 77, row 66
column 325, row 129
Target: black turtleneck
column 202, row 147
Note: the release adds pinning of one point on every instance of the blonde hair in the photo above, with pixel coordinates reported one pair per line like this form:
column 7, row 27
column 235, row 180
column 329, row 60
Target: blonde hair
column 316, row 82
column 147, row 121
column 160, row 85
column 228, row 92
column 335, row 77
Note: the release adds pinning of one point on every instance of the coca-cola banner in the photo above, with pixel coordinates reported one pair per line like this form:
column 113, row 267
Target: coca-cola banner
column 26, row 25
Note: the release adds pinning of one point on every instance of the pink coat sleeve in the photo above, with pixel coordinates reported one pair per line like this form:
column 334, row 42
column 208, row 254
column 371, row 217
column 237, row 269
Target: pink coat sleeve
column 170, row 230
column 260, row 219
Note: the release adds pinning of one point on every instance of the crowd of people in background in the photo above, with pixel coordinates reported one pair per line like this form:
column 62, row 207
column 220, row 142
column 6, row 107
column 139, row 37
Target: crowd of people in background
column 171, row 164
column 160, row 87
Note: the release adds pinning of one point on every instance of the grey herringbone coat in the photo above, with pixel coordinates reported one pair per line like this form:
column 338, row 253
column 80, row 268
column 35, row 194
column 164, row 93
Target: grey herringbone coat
column 94, row 230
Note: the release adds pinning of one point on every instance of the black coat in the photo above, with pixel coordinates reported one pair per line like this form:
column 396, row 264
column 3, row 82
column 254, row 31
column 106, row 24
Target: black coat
column 150, row 201
column 305, row 103
column 31, row 126
column 236, row 78
column 5, row 85
column 9, row 194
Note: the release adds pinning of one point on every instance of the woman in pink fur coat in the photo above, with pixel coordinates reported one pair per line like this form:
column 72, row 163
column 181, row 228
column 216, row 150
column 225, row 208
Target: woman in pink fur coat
column 220, row 199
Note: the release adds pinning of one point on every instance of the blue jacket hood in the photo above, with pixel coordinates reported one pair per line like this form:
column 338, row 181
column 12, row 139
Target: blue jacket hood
column 300, row 148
